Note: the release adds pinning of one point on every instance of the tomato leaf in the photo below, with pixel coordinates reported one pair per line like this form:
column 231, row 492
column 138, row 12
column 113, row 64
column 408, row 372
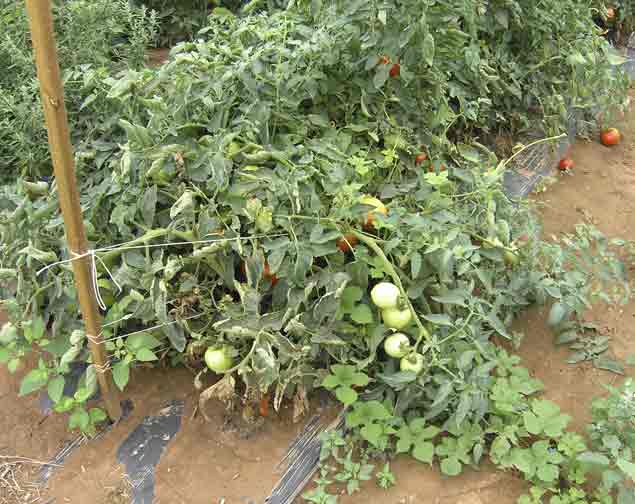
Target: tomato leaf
column 381, row 75
column 145, row 355
column 362, row 314
column 80, row 419
column 56, row 388
column 121, row 374
column 557, row 314
column 148, row 205
column 97, row 415
column 428, row 49
column 350, row 296
column 593, row 458
column 627, row 468
column 451, row 466
column 34, row 329
column 439, row 319
column 415, row 264
column 176, row 335
column 346, row 395
column 34, row 380
column 423, row 452
column 135, row 342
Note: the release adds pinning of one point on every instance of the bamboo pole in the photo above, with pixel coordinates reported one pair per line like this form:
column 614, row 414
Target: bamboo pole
column 52, row 93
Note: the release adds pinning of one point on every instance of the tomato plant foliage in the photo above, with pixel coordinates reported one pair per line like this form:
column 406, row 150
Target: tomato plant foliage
column 249, row 152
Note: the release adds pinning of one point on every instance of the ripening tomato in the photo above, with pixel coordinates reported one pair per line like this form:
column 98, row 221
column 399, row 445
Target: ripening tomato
column 523, row 239
column 347, row 242
column 610, row 137
column 565, row 164
column 441, row 169
column 268, row 275
column 383, row 60
column 263, row 406
column 610, row 13
column 379, row 208
column 394, row 70
column 421, row 157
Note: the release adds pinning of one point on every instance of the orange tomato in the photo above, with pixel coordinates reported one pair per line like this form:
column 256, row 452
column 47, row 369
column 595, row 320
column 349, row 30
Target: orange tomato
column 347, row 242
column 610, row 137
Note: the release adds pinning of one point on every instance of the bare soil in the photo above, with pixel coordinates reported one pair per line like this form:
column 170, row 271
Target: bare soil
column 206, row 463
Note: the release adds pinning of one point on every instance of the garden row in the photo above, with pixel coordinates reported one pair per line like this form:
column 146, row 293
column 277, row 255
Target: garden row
column 246, row 197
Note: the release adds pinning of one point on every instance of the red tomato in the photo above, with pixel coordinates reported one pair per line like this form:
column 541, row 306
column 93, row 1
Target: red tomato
column 265, row 274
column 268, row 275
column 421, row 157
column 263, row 407
column 347, row 242
column 523, row 239
column 565, row 164
column 431, row 168
column 394, row 70
column 610, row 137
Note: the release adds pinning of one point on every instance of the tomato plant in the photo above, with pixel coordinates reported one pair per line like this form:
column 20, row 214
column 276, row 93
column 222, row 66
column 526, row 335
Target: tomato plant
column 263, row 143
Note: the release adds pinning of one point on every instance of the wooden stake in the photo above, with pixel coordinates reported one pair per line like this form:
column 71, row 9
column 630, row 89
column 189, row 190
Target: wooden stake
column 52, row 93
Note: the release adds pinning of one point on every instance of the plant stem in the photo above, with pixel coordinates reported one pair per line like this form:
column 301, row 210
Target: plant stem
column 494, row 245
column 536, row 142
column 372, row 244
column 256, row 336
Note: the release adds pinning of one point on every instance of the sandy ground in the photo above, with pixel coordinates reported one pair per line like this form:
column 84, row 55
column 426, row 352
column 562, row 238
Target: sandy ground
column 205, row 464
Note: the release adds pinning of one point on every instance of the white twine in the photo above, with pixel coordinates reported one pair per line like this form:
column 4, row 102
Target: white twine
column 122, row 246
column 94, row 277
column 92, row 254
column 97, row 340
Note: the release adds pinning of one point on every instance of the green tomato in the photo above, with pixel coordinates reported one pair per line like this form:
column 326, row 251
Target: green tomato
column 8, row 333
column 385, row 295
column 218, row 359
column 396, row 318
column 414, row 363
column 35, row 189
column 232, row 149
column 510, row 258
column 397, row 345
